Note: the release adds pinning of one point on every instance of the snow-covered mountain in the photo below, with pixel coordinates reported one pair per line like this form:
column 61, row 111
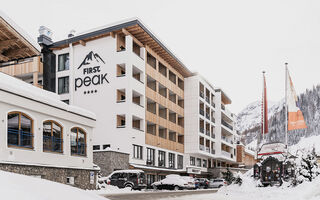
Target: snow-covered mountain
column 248, row 120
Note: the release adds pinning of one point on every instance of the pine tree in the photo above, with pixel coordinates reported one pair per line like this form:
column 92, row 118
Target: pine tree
column 228, row 176
column 307, row 167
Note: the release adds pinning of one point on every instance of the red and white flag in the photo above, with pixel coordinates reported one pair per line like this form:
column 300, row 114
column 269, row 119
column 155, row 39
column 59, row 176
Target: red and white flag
column 295, row 116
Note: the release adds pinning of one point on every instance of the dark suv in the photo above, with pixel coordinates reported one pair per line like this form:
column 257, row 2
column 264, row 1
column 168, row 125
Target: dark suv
column 134, row 179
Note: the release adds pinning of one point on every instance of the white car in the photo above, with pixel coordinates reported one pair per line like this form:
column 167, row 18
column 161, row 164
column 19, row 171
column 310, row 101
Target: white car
column 217, row 183
column 174, row 182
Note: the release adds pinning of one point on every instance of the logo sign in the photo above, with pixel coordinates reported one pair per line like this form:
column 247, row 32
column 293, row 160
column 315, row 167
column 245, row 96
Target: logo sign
column 193, row 171
column 92, row 72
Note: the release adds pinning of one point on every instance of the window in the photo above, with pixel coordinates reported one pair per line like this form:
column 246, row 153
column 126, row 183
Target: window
column 78, row 142
column 192, row 161
column 121, row 95
column 121, row 70
column 150, row 156
column 172, row 160
column 105, row 146
column 121, row 121
column 63, row 62
column 63, row 85
column 52, row 137
column 180, row 162
column 137, row 151
column 150, row 179
column 96, row 147
column 20, row 130
column 204, row 163
column 151, row 61
column 198, row 162
column 70, row 180
column 162, row 159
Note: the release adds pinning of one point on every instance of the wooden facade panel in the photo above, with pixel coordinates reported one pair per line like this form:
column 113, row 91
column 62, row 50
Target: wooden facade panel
column 164, row 143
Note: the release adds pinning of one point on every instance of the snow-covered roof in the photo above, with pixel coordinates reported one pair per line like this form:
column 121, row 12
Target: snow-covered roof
column 21, row 88
column 20, row 31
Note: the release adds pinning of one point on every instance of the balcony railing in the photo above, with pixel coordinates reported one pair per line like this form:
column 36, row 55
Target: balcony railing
column 78, row 148
column 223, row 107
column 226, row 154
column 227, row 139
column 201, row 94
column 208, row 132
column 202, row 112
column 51, row 143
column 208, row 116
column 20, row 138
column 208, row 149
column 226, row 124
column 201, row 147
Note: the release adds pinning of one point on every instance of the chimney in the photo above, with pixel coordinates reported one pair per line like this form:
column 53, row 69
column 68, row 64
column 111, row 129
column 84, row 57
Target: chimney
column 45, row 36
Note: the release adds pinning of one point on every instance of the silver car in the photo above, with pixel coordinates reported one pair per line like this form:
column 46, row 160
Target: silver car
column 217, row 183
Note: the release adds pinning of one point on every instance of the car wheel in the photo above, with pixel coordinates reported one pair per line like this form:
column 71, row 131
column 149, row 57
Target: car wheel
column 129, row 186
column 220, row 186
column 176, row 188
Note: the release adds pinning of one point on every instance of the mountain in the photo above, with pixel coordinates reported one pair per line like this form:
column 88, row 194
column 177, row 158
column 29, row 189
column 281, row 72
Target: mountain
column 248, row 120
column 90, row 58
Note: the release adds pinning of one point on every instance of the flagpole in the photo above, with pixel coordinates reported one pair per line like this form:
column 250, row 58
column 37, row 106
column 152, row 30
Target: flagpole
column 286, row 105
column 263, row 106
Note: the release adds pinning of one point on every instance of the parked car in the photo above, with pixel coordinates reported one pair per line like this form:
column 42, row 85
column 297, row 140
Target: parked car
column 217, row 183
column 201, row 183
column 134, row 179
column 174, row 182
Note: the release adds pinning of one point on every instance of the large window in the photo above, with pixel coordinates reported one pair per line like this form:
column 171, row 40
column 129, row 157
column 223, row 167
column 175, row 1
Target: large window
column 172, row 160
column 52, row 137
column 150, row 156
column 78, row 142
column 162, row 159
column 180, row 162
column 198, row 162
column 63, row 62
column 20, row 130
column 63, row 85
column 137, row 151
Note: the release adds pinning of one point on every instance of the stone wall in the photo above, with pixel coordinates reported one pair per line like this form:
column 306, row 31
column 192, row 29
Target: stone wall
column 81, row 176
column 109, row 161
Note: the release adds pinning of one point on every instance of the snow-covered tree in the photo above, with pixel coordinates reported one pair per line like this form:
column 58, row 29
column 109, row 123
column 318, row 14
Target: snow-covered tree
column 228, row 176
column 306, row 167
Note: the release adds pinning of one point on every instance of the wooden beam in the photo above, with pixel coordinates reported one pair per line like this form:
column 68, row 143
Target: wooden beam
column 6, row 43
column 134, row 38
column 3, row 58
column 83, row 43
column 14, row 52
column 112, row 34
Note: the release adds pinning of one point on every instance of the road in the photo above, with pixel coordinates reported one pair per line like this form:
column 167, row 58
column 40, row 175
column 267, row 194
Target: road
column 157, row 194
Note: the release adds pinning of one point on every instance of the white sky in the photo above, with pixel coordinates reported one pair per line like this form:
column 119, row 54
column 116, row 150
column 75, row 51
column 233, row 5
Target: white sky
column 229, row 42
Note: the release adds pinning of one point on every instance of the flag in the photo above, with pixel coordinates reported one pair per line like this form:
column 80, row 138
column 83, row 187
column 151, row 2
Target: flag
column 264, row 108
column 295, row 116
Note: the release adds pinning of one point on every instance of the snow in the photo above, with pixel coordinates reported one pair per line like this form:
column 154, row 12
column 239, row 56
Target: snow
column 249, row 190
column 110, row 189
column 307, row 144
column 16, row 186
column 17, row 86
column 173, row 179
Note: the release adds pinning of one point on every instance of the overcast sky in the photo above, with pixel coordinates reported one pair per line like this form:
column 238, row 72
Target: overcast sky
column 229, row 42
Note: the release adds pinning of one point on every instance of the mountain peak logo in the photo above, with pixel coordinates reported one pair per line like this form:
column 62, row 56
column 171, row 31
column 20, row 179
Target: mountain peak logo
column 91, row 57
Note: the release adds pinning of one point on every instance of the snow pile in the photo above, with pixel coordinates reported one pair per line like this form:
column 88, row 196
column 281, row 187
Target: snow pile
column 307, row 144
column 16, row 186
column 110, row 189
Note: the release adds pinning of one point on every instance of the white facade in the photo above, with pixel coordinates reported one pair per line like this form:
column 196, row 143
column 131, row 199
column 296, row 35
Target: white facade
column 206, row 138
column 41, row 106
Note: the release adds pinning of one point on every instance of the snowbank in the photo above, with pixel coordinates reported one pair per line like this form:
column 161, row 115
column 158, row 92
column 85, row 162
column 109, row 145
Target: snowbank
column 307, row 144
column 248, row 190
column 16, row 186
column 110, row 189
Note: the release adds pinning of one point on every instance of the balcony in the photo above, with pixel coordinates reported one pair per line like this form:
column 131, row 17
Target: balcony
column 207, row 99
column 202, row 130
column 208, row 149
column 208, row 116
column 223, row 107
column 213, row 120
column 213, row 104
column 208, row 132
column 201, row 147
column 226, row 124
column 213, row 151
column 202, row 112
column 213, row 136
column 226, row 154
column 227, row 139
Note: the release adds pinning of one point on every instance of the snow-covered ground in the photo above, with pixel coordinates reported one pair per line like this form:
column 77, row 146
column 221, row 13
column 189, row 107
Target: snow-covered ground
column 249, row 191
column 16, row 186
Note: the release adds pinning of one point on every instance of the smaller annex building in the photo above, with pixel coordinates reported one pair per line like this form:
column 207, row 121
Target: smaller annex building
column 42, row 136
